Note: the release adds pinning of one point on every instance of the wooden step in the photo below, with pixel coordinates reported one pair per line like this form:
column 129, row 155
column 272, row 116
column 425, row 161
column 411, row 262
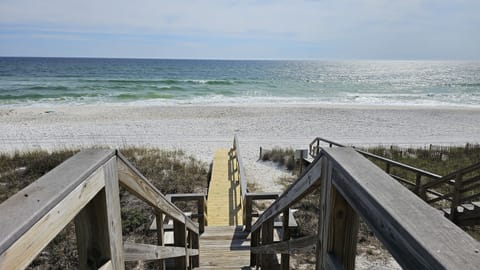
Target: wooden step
column 224, row 247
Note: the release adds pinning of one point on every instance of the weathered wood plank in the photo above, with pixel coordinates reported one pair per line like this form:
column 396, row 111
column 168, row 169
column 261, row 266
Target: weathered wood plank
column 28, row 206
column 343, row 230
column 285, row 261
column 324, row 216
column 146, row 252
column 180, row 240
column 114, row 221
column 160, row 236
column 401, row 220
column 302, row 244
column 306, row 182
column 91, row 229
column 136, row 183
column 267, row 260
column 20, row 253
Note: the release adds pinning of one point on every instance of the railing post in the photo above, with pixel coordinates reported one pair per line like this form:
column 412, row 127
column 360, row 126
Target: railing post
column 387, row 168
column 324, row 214
column 457, row 193
column 201, row 214
column 418, row 183
column 180, row 240
column 285, row 237
column 195, row 244
column 98, row 226
column 268, row 260
column 160, row 236
column 338, row 229
column 254, row 241
column 248, row 213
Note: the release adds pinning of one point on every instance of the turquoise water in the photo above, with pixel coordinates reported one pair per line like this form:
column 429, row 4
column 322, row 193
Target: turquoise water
column 60, row 81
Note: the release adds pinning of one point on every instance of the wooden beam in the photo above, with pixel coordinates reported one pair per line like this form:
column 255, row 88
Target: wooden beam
column 21, row 211
column 342, row 231
column 91, row 228
column 160, row 236
column 267, row 260
column 114, row 221
column 23, row 247
column 180, row 240
column 136, row 183
column 145, row 252
column 416, row 235
column 285, row 237
column 302, row 244
column 324, row 216
column 98, row 226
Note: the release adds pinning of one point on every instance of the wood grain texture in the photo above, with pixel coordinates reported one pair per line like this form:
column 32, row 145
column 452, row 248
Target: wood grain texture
column 91, row 229
column 343, row 230
column 27, row 245
column 401, row 220
column 298, row 245
column 224, row 248
column 114, row 221
column 146, row 252
column 160, row 236
column 28, row 206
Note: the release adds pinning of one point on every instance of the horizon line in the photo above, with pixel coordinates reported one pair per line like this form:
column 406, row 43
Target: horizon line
column 245, row 59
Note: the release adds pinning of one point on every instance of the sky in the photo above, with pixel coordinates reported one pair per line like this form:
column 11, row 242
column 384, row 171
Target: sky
column 269, row 29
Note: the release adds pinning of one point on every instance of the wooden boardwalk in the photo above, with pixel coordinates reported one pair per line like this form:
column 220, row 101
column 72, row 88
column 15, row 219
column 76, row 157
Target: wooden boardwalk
column 224, row 203
column 224, row 247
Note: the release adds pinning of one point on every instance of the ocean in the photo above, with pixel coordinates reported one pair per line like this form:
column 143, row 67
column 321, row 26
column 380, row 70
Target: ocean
column 28, row 81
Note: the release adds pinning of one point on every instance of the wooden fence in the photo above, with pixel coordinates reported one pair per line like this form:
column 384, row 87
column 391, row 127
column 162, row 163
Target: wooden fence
column 352, row 187
column 85, row 189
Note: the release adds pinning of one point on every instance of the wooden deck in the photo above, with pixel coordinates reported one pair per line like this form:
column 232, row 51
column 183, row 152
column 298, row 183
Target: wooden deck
column 226, row 247
column 224, row 204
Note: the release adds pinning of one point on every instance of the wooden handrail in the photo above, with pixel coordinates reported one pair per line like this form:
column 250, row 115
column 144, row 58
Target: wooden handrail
column 242, row 179
column 25, row 208
column 351, row 187
column 85, row 188
column 452, row 176
column 384, row 159
column 425, row 182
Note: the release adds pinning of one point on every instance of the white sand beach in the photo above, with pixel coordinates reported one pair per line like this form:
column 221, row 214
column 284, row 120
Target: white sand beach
column 200, row 129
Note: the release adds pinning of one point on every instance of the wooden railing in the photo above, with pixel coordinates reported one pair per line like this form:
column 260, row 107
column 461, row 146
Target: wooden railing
column 248, row 198
column 352, row 187
column 201, row 202
column 427, row 185
column 85, row 189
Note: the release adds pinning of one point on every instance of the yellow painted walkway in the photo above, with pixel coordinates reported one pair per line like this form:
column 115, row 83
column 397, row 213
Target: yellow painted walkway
column 224, row 203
